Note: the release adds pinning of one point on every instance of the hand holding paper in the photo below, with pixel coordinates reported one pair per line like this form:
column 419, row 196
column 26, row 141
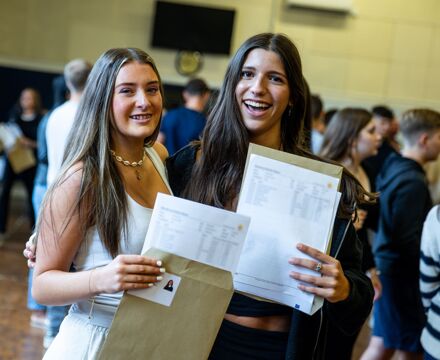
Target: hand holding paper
column 290, row 200
column 332, row 285
column 125, row 272
column 200, row 246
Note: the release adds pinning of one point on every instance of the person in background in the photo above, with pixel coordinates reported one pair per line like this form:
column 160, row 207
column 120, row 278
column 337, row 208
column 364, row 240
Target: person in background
column 385, row 121
column 96, row 213
column 404, row 203
column 263, row 100
column 328, row 116
column 182, row 125
column 27, row 116
column 318, row 126
column 350, row 138
column 430, row 283
column 61, row 120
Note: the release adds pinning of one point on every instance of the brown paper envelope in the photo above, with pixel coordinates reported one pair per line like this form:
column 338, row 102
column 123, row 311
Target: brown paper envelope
column 187, row 329
column 21, row 158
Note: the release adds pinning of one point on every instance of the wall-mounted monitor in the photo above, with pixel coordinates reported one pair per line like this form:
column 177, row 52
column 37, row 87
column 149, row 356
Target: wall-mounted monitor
column 193, row 28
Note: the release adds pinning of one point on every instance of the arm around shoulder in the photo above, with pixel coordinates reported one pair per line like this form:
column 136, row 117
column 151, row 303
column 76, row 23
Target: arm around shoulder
column 161, row 151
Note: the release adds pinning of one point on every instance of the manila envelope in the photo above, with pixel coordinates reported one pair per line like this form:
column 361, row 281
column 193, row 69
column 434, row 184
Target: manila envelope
column 21, row 158
column 143, row 329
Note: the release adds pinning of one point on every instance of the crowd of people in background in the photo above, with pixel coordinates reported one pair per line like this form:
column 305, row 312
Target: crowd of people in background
column 390, row 253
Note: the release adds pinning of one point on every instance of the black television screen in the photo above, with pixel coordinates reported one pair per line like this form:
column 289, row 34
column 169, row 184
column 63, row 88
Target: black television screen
column 193, row 28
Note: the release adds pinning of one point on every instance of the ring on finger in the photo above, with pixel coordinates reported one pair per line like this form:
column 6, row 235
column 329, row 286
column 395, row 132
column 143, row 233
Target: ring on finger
column 318, row 267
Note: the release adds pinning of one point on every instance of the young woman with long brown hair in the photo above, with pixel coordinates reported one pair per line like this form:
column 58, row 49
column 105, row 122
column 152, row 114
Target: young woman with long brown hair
column 263, row 100
column 96, row 214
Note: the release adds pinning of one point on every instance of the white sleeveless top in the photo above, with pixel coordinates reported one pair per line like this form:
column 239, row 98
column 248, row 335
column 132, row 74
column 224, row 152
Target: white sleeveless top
column 91, row 254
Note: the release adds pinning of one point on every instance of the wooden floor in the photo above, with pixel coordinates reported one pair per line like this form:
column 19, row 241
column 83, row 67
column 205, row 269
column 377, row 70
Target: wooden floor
column 18, row 340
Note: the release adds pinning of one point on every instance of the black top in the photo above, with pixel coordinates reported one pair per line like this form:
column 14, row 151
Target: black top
column 179, row 174
column 308, row 335
column 28, row 128
column 405, row 202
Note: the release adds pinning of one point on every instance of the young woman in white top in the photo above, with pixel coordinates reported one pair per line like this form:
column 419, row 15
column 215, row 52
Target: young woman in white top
column 95, row 216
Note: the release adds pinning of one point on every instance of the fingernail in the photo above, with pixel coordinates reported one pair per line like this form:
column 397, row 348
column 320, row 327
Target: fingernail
column 159, row 278
column 159, row 262
column 299, row 246
column 162, row 270
column 150, row 284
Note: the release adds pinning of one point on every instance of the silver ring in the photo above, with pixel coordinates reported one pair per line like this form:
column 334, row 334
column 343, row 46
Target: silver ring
column 318, row 267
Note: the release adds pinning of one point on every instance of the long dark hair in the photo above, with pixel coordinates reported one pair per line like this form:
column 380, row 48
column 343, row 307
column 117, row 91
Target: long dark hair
column 217, row 175
column 342, row 131
column 101, row 200
column 225, row 139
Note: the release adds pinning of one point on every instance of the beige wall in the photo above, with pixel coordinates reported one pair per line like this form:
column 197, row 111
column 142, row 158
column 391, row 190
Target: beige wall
column 387, row 51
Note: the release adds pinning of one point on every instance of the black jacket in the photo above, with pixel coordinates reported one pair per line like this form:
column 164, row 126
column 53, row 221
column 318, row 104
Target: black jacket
column 308, row 334
column 404, row 204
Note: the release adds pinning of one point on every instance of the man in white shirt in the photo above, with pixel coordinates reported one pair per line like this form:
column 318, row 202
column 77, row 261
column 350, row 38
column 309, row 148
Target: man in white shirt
column 61, row 120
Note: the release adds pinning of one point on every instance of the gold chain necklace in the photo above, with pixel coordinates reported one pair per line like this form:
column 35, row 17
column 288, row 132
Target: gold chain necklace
column 134, row 164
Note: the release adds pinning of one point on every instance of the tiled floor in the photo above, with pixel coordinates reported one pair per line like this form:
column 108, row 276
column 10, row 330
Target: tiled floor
column 18, row 340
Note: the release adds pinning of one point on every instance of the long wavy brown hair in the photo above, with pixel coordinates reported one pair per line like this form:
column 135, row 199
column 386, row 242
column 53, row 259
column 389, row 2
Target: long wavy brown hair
column 101, row 201
column 217, row 174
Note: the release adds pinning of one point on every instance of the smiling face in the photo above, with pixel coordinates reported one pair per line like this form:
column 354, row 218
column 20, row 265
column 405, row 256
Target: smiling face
column 263, row 95
column 136, row 104
column 368, row 141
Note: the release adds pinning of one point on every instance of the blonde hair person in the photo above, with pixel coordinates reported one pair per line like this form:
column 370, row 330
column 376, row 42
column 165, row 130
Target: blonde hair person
column 95, row 215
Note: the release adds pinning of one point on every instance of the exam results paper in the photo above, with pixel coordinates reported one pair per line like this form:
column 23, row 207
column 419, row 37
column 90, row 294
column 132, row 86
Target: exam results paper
column 288, row 204
column 196, row 231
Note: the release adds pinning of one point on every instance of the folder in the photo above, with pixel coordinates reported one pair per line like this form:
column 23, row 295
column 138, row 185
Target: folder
column 186, row 329
column 20, row 157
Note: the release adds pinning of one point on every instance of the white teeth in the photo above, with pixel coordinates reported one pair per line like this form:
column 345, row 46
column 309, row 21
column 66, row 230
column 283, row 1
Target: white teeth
column 139, row 117
column 256, row 104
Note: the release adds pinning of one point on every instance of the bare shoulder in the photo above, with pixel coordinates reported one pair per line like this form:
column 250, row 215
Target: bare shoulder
column 161, row 150
column 71, row 180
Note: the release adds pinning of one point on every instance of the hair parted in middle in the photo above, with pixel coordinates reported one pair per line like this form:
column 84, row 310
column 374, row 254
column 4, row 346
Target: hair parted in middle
column 102, row 200
column 225, row 139
column 217, row 174
column 342, row 131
